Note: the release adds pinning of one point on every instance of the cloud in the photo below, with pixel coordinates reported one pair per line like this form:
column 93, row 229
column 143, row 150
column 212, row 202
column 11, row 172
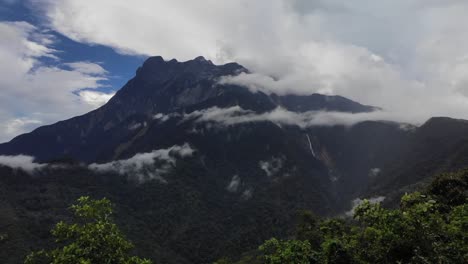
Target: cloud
column 374, row 172
column 147, row 166
column 407, row 56
column 35, row 93
column 272, row 166
column 136, row 126
column 22, row 162
column 87, row 67
column 358, row 201
column 234, row 184
column 95, row 98
column 236, row 115
column 142, row 166
column 13, row 126
column 164, row 117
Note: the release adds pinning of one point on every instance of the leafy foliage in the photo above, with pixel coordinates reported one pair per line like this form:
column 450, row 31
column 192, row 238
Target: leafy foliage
column 429, row 227
column 91, row 239
column 289, row 251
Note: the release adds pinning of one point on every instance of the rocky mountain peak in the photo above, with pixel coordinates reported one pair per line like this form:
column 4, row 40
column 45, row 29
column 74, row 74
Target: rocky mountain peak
column 157, row 69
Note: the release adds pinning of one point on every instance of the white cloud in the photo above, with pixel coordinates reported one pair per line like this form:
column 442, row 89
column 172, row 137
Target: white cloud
column 147, row 166
column 234, row 184
column 87, row 67
column 374, row 172
column 33, row 93
column 16, row 125
column 407, row 56
column 358, row 201
column 142, row 166
column 95, row 98
column 22, row 162
column 136, row 126
column 272, row 166
column 164, row 117
column 236, row 115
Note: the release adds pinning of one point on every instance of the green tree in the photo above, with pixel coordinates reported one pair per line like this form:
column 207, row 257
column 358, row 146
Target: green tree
column 287, row 252
column 429, row 227
column 92, row 238
column 308, row 228
column 450, row 188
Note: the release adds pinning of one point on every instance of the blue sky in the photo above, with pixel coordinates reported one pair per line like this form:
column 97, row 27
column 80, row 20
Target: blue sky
column 62, row 58
column 121, row 67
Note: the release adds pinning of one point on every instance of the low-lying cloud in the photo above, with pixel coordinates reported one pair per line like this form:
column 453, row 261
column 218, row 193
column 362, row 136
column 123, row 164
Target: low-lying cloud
column 164, row 117
column 374, row 172
column 358, row 201
column 147, row 166
column 142, row 166
column 271, row 167
column 236, row 115
column 234, row 184
column 22, row 162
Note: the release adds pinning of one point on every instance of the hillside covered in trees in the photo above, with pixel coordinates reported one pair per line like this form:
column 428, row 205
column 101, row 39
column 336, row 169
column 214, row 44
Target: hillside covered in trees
column 430, row 226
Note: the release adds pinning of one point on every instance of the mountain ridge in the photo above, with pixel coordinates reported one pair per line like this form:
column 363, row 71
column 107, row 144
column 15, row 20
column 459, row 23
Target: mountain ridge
column 161, row 86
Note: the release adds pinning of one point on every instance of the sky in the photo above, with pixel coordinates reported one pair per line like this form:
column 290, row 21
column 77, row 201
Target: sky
column 64, row 58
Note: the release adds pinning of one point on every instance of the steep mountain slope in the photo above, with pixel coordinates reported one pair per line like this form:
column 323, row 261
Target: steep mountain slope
column 158, row 87
column 201, row 169
column 439, row 145
column 171, row 103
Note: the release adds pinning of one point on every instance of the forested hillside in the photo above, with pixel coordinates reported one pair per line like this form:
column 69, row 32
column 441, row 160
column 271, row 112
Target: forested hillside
column 430, row 226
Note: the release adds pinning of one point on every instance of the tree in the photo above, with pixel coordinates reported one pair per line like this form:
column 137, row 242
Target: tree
column 450, row 188
column 92, row 238
column 287, row 252
column 308, row 228
column 429, row 227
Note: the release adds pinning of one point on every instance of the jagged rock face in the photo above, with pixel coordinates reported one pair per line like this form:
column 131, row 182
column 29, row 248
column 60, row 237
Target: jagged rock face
column 168, row 86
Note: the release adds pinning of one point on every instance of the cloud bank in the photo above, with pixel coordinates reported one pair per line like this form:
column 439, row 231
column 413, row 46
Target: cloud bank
column 34, row 93
column 236, row 115
column 147, row 166
column 409, row 57
column 23, row 162
column 142, row 166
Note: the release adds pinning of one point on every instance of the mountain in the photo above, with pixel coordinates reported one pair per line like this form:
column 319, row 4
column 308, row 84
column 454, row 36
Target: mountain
column 159, row 87
column 201, row 169
column 439, row 145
